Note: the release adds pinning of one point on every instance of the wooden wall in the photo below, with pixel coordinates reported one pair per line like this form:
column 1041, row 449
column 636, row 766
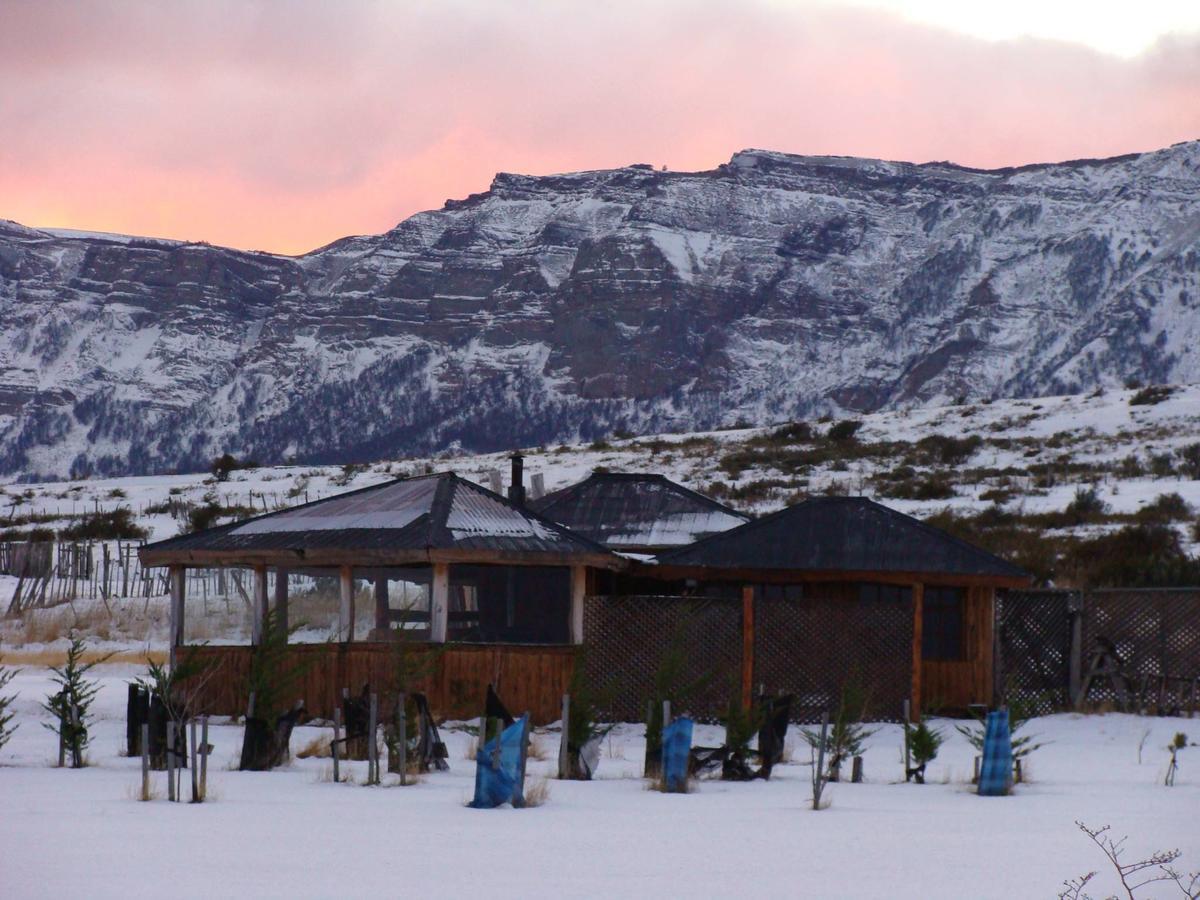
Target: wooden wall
column 531, row 678
column 954, row 685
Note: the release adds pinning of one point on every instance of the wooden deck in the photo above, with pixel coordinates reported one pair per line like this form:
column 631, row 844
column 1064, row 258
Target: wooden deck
column 528, row 678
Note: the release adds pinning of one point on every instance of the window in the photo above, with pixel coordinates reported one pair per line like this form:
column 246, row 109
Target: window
column 942, row 624
column 870, row 592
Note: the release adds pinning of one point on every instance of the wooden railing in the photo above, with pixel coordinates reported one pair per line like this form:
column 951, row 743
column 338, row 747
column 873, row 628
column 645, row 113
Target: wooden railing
column 527, row 677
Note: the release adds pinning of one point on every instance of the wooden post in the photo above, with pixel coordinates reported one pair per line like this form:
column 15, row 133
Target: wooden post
column 196, row 796
column 260, row 605
column 145, row 760
column 176, row 575
column 382, row 618
column 563, row 745
column 747, row 646
column 439, row 604
column 76, row 739
column 62, row 735
column 856, row 770
column 171, row 760
column 281, row 602
column 819, row 771
column 918, row 595
column 519, row 792
column 1076, row 659
column 372, row 746
column 662, row 743
column 346, row 607
column 904, row 725
column 204, row 758
column 578, row 595
column 337, row 736
column 402, row 735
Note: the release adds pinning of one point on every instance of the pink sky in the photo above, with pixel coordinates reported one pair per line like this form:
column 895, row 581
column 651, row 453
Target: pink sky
column 283, row 126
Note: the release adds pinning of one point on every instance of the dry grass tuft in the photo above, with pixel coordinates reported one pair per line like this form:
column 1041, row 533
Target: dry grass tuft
column 537, row 750
column 134, row 791
column 537, row 791
column 320, row 747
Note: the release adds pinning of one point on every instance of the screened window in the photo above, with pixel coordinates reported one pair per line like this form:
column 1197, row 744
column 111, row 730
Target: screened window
column 942, row 624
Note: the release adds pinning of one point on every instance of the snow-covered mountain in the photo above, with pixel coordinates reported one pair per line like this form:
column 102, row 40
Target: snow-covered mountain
column 554, row 308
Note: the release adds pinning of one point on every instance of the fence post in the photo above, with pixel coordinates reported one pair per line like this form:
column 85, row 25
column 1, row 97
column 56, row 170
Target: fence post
column 145, row 761
column 204, row 758
column 76, row 739
column 337, row 728
column 171, row 760
column 1076, row 660
column 196, row 796
column 402, row 735
column 563, row 745
column 372, row 746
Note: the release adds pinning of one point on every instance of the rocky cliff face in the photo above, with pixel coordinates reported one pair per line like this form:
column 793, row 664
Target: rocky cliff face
column 771, row 288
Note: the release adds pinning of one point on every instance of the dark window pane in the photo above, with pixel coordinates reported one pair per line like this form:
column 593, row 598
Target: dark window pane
column 942, row 624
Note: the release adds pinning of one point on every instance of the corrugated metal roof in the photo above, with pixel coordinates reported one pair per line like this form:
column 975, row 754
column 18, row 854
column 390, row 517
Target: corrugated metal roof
column 633, row 510
column 845, row 534
column 429, row 512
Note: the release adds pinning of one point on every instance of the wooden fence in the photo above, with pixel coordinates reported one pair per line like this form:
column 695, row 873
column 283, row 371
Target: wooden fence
column 50, row 573
column 527, row 678
column 1134, row 649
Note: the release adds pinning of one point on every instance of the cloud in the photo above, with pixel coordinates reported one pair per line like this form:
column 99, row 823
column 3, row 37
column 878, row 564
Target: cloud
column 286, row 125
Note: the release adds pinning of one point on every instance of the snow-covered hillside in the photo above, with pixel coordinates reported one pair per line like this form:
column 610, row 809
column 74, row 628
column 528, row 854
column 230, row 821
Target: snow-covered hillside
column 1031, row 456
column 575, row 306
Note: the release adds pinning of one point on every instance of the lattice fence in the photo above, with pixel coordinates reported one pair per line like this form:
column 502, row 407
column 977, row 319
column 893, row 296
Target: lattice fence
column 627, row 638
column 1156, row 634
column 1035, row 647
column 812, row 647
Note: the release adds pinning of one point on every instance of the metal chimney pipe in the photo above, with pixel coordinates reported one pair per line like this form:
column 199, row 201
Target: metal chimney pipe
column 516, row 489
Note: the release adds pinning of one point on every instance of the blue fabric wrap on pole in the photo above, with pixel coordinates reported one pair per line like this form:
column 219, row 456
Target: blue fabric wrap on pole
column 497, row 780
column 995, row 773
column 677, row 744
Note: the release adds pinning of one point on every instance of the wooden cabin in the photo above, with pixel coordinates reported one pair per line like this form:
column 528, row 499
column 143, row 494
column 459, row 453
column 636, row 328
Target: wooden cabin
column 442, row 560
column 858, row 568
column 830, row 589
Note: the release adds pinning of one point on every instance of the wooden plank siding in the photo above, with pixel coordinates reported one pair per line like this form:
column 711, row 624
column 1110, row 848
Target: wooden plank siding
column 531, row 678
column 953, row 685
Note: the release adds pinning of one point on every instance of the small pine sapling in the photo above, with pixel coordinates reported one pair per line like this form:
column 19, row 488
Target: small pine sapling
column 410, row 666
column 273, row 679
column 672, row 682
column 7, row 729
column 847, row 735
column 741, row 725
column 584, row 731
column 923, row 745
column 70, row 705
column 1019, row 714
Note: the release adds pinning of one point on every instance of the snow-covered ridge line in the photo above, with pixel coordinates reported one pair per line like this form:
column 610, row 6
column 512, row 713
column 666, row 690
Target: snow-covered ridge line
column 587, row 304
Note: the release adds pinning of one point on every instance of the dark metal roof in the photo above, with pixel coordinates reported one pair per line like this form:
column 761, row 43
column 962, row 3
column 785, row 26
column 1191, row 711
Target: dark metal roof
column 629, row 511
column 841, row 534
column 425, row 513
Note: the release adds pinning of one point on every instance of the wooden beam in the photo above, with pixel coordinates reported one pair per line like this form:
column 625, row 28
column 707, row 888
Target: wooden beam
column 260, row 605
column 281, row 602
column 918, row 599
column 439, row 603
column 578, row 593
column 747, row 646
column 346, row 606
column 804, row 576
column 177, row 578
column 383, row 621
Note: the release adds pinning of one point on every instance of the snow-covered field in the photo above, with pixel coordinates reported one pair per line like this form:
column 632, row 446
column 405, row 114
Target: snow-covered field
column 293, row 833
